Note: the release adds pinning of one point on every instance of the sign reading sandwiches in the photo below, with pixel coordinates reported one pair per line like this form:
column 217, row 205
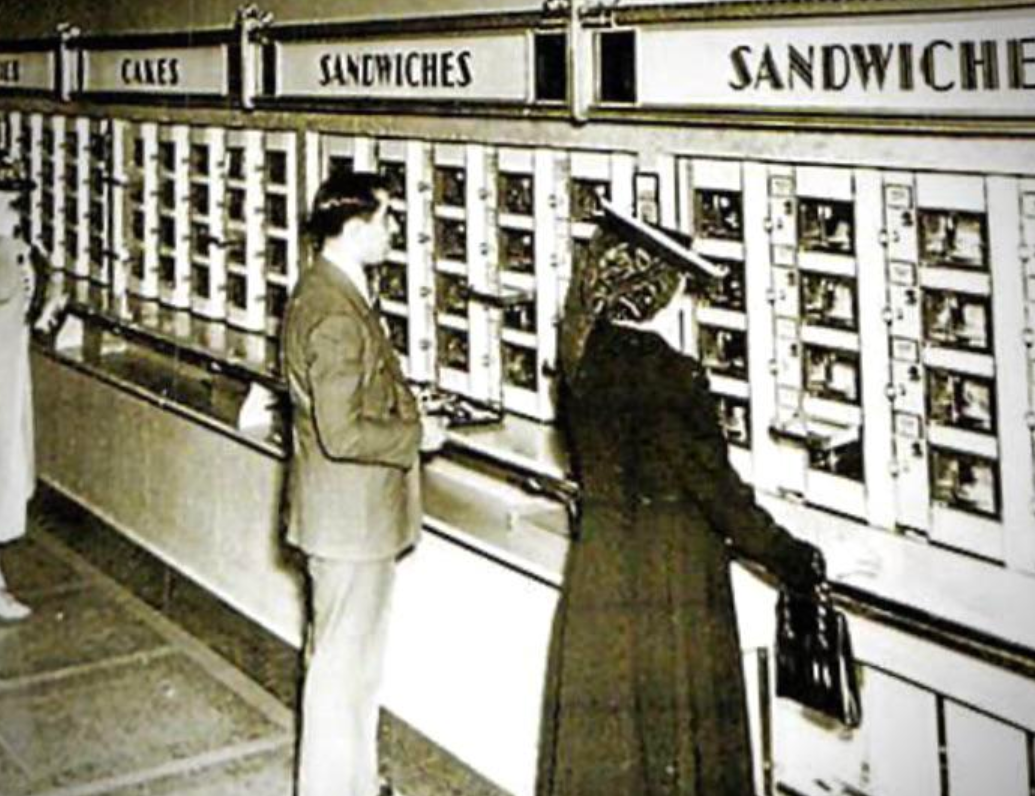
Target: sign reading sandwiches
column 482, row 67
column 953, row 64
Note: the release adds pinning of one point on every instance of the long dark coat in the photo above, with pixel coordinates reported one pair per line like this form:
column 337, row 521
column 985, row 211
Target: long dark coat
column 645, row 692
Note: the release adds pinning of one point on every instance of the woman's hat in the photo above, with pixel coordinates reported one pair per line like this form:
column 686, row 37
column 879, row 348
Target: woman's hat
column 13, row 176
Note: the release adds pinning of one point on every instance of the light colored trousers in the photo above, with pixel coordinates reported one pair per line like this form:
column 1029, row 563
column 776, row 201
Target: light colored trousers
column 345, row 650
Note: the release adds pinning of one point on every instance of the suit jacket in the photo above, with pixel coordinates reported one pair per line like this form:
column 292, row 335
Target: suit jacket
column 353, row 488
column 17, row 474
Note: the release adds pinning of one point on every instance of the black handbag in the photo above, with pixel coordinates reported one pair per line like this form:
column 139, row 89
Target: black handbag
column 814, row 662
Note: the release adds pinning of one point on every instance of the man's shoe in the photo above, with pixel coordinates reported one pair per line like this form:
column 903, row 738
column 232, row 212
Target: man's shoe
column 11, row 609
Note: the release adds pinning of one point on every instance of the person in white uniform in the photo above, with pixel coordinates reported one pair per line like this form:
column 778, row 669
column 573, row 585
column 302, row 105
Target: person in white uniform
column 17, row 463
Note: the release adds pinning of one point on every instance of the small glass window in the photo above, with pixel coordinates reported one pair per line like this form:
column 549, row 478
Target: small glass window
column 450, row 240
column 451, row 294
column 517, row 251
column 237, row 291
column 453, row 349
column 832, row 374
column 450, row 186
column 199, row 159
column 825, row 225
column 200, row 282
column 235, row 162
column 391, row 282
column 277, row 256
column 957, row 320
column 277, row 211
column 519, row 367
column 734, row 417
column 551, row 67
column 829, row 301
column 516, row 194
column 585, row 198
column 724, row 351
column 726, row 293
column 167, row 270
column 964, row 482
column 398, row 332
column 276, row 300
column 961, row 400
column 953, row 239
column 395, row 175
column 167, row 155
column 520, row 317
column 719, row 214
column 276, row 167
column 617, row 66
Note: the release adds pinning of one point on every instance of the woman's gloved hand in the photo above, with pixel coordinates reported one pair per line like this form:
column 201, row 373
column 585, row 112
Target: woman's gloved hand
column 809, row 570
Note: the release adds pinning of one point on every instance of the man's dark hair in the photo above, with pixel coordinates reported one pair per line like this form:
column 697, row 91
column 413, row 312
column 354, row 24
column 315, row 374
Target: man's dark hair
column 342, row 196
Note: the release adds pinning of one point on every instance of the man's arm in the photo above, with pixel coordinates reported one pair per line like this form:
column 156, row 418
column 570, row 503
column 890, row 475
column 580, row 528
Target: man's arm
column 335, row 375
column 12, row 287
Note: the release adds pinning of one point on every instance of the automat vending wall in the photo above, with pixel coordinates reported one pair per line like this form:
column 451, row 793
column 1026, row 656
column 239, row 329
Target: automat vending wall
column 864, row 176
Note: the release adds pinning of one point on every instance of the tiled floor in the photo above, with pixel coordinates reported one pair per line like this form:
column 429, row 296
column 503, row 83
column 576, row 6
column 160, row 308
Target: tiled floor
column 99, row 694
column 130, row 680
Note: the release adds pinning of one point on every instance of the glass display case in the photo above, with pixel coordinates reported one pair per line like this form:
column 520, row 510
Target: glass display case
column 173, row 198
column 99, row 199
column 278, row 257
column 391, row 281
column 74, row 191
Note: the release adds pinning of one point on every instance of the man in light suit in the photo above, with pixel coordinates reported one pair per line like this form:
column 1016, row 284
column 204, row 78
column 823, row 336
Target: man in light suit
column 353, row 500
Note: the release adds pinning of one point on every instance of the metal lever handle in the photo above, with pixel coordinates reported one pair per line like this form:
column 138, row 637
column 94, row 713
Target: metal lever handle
column 501, row 301
column 564, row 492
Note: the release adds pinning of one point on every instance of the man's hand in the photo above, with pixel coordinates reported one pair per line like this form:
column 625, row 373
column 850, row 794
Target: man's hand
column 50, row 315
column 28, row 275
column 853, row 560
column 433, row 433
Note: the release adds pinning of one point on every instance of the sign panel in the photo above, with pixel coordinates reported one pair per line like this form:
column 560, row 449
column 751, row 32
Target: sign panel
column 481, row 67
column 27, row 71
column 959, row 64
column 167, row 70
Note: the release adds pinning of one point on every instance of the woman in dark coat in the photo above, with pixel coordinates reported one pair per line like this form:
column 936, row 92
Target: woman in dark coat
column 645, row 692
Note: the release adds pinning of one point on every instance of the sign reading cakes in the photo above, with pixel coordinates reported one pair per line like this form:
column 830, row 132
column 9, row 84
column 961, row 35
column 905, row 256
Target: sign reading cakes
column 194, row 70
column 958, row 64
column 27, row 71
column 478, row 67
